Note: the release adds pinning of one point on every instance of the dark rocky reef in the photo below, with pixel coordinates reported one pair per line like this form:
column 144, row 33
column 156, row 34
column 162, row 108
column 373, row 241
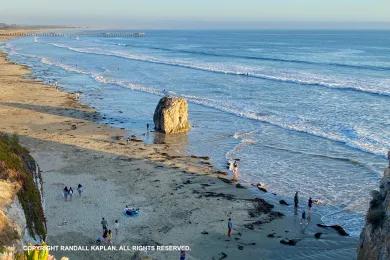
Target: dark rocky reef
column 340, row 230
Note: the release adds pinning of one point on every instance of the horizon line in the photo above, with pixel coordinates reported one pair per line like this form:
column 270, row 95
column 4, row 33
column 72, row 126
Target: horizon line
column 217, row 25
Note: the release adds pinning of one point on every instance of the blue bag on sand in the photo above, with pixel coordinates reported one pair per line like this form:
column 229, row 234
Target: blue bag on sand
column 131, row 212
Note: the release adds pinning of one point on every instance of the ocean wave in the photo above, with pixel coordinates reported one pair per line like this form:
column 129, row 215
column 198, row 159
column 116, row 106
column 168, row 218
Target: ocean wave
column 311, row 80
column 63, row 66
column 10, row 49
column 363, row 143
column 246, row 138
column 326, row 156
column 346, row 65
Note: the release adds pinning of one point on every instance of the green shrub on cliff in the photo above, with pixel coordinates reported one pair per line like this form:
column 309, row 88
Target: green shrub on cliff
column 20, row 168
column 376, row 216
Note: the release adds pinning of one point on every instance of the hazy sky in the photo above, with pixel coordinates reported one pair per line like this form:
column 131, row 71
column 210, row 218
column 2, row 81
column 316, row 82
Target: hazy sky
column 199, row 13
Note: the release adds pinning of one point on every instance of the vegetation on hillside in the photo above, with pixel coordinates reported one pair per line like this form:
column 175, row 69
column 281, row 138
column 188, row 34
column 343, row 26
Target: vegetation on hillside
column 17, row 166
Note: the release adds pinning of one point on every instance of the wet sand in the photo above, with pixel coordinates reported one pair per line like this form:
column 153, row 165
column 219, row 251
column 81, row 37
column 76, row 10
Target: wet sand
column 182, row 199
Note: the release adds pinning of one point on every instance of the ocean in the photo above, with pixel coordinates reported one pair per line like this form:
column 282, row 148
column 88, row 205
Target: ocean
column 304, row 111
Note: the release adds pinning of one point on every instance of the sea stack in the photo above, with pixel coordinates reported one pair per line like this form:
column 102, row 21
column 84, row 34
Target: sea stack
column 375, row 236
column 171, row 115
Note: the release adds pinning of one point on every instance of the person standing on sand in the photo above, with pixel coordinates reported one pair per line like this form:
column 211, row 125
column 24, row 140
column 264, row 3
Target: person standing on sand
column 70, row 193
column 235, row 171
column 147, row 127
column 296, row 200
column 303, row 219
column 310, row 203
column 182, row 255
column 116, row 227
column 105, row 235
column 230, row 165
column 66, row 192
column 80, row 189
column 109, row 237
column 230, row 227
column 104, row 224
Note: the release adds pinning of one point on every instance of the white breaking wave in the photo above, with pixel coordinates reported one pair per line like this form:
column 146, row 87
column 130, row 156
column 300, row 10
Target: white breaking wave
column 11, row 49
column 379, row 87
column 246, row 138
column 63, row 66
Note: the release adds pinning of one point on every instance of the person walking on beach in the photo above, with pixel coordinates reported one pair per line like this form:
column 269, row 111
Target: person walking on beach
column 80, row 189
column 230, row 227
column 147, row 127
column 70, row 193
column 66, row 192
column 104, row 224
column 116, row 227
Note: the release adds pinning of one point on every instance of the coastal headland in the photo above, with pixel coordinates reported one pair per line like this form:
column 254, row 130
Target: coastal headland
column 183, row 200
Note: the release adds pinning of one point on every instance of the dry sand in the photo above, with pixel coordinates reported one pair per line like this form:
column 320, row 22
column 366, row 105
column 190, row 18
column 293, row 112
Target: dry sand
column 181, row 198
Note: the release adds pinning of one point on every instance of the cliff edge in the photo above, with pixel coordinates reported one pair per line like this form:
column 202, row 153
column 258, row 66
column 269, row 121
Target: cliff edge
column 375, row 236
column 21, row 213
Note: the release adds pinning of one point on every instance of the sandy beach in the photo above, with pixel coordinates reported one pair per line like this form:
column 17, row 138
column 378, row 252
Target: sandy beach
column 183, row 199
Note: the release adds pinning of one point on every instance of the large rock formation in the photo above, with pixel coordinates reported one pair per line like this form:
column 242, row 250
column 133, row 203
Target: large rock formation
column 375, row 237
column 171, row 115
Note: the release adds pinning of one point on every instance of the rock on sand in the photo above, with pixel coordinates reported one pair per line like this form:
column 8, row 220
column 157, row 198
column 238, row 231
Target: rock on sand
column 171, row 115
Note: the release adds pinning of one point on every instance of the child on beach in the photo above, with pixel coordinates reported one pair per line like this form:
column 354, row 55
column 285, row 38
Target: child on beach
column 230, row 227
column 109, row 237
column 116, row 227
column 80, row 189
